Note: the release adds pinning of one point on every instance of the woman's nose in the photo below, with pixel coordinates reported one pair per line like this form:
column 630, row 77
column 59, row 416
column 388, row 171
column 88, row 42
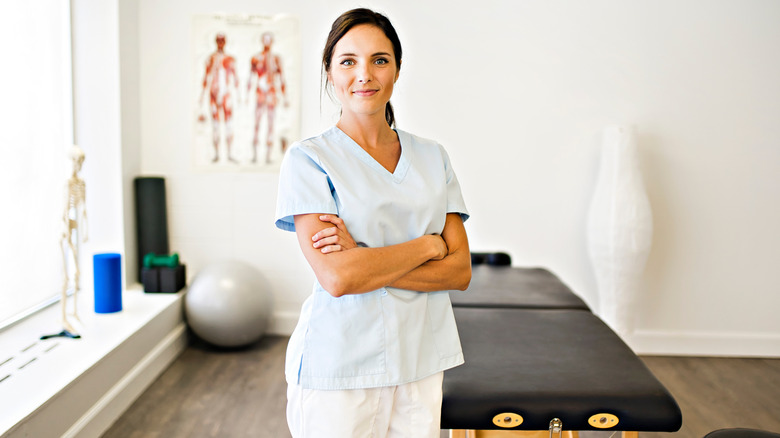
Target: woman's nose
column 364, row 74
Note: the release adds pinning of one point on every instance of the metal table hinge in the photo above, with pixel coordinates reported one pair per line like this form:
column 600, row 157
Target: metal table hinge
column 556, row 427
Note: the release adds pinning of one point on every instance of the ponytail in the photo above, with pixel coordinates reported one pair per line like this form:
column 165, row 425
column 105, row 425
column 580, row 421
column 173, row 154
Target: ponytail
column 389, row 115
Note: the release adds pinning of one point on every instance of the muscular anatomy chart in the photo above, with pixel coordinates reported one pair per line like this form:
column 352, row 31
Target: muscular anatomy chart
column 246, row 107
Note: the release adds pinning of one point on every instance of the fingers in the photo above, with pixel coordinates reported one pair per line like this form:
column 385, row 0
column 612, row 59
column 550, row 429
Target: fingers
column 331, row 248
column 332, row 218
column 327, row 232
column 327, row 240
column 332, row 240
column 337, row 237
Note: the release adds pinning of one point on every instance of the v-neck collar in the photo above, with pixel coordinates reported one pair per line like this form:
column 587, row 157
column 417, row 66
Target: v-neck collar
column 403, row 161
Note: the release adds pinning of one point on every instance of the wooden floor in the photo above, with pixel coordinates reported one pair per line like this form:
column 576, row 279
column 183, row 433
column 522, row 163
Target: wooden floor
column 217, row 393
column 209, row 392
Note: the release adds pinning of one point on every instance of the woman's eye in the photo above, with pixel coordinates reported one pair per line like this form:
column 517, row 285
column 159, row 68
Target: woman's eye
column 347, row 62
column 381, row 61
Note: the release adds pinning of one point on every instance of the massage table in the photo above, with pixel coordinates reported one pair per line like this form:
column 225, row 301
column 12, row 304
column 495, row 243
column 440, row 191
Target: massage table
column 525, row 288
column 543, row 362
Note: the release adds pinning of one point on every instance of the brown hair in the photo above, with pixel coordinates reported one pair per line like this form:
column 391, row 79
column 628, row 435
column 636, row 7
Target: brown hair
column 347, row 21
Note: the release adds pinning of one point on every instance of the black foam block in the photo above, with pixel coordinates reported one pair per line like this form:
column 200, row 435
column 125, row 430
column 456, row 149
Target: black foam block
column 164, row 279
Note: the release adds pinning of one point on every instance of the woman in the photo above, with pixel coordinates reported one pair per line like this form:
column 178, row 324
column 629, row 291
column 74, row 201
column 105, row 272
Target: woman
column 379, row 216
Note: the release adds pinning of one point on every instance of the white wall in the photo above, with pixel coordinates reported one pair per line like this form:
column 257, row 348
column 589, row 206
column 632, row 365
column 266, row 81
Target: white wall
column 129, row 90
column 518, row 93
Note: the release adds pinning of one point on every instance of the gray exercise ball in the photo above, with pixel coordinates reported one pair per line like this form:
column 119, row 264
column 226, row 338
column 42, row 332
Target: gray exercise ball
column 228, row 304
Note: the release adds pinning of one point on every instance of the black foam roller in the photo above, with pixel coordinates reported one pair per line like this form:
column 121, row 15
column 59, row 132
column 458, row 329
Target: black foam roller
column 151, row 218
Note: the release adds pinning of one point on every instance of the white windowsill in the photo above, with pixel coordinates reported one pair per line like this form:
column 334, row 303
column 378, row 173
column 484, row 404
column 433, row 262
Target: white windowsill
column 34, row 373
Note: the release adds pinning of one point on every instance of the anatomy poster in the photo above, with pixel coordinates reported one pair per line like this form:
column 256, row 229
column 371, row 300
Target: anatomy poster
column 246, row 77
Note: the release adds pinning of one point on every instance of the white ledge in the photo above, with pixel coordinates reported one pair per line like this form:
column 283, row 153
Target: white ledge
column 78, row 387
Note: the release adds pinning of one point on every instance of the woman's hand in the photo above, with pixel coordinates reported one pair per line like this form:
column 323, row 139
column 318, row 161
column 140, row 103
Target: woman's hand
column 335, row 238
column 440, row 246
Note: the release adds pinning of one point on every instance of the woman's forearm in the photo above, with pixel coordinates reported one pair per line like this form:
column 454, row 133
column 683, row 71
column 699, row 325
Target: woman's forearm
column 453, row 272
column 361, row 270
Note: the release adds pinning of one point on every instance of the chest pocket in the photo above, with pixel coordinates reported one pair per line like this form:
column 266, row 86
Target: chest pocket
column 346, row 336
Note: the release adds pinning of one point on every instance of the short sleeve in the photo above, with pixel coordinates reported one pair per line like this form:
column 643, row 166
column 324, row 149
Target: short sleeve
column 304, row 187
column 455, row 203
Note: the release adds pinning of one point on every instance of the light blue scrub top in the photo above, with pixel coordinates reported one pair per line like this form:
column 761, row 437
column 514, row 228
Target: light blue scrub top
column 388, row 336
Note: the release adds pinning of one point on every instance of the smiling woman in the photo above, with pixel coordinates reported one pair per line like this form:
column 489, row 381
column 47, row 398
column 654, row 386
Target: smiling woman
column 379, row 214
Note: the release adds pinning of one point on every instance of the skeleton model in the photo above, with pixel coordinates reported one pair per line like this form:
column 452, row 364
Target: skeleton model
column 75, row 220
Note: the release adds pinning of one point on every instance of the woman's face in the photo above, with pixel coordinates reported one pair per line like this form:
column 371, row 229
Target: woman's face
column 363, row 71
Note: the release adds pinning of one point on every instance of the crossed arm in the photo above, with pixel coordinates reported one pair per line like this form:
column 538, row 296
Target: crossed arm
column 425, row 264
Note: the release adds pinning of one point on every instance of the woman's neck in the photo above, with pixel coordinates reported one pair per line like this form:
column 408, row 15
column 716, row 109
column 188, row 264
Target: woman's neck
column 368, row 132
column 375, row 137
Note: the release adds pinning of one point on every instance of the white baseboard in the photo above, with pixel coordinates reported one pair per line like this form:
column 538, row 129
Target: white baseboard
column 719, row 344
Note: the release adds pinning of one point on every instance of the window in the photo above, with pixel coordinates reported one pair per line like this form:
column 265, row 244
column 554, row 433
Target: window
column 36, row 131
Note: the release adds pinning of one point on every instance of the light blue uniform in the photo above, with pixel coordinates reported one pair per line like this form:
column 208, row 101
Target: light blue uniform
column 388, row 336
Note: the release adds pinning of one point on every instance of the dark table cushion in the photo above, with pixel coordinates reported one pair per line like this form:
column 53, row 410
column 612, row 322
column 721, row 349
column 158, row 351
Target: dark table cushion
column 545, row 364
column 505, row 287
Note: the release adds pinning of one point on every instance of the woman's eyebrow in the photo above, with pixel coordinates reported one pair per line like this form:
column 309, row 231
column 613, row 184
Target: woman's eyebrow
column 341, row 55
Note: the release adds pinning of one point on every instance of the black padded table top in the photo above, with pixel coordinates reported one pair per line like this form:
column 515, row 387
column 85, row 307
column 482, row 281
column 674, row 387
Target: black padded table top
column 508, row 287
column 545, row 364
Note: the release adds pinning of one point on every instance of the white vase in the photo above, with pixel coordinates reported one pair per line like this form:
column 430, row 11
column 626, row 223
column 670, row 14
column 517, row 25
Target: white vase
column 620, row 229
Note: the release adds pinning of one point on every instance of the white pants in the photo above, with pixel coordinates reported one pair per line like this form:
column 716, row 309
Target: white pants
column 412, row 410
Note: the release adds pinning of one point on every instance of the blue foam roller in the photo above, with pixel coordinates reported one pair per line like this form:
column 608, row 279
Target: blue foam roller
column 108, row 282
